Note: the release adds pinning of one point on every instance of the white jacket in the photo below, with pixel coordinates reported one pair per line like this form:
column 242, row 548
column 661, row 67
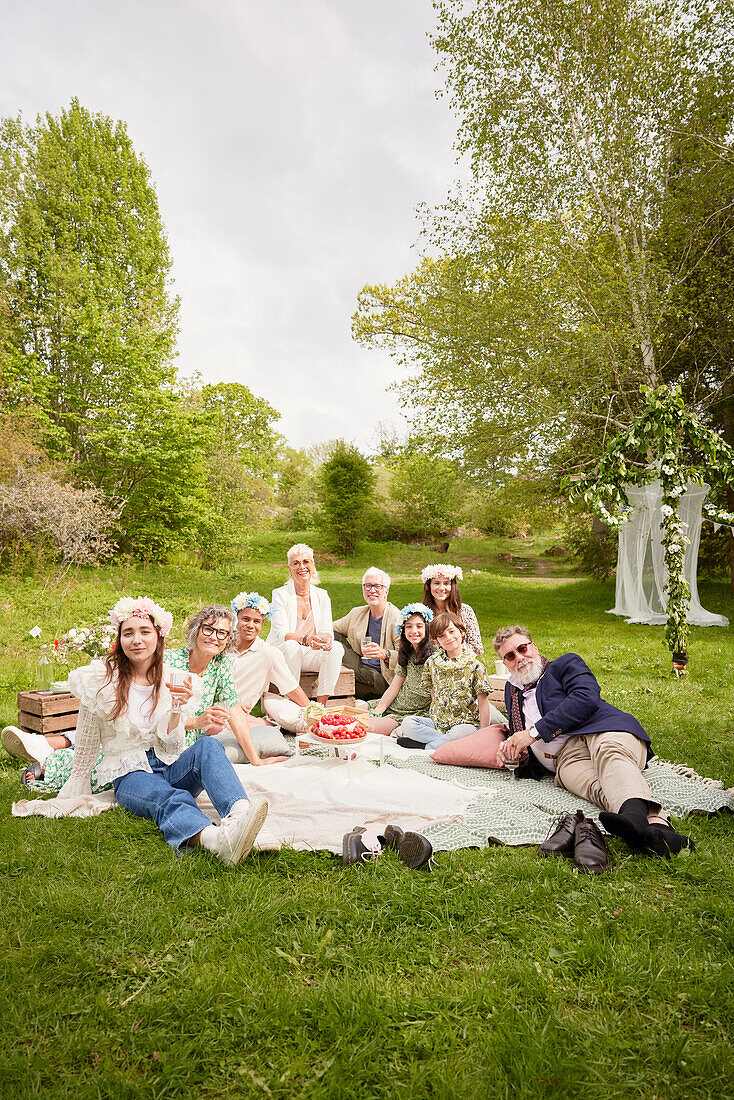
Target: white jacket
column 285, row 612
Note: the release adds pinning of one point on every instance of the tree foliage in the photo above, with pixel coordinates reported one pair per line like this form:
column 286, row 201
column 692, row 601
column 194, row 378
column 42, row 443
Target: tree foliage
column 584, row 252
column 347, row 483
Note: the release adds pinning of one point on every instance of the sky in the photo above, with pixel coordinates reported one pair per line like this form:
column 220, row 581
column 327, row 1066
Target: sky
column 289, row 142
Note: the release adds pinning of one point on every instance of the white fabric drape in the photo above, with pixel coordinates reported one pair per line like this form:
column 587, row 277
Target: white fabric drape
column 641, row 595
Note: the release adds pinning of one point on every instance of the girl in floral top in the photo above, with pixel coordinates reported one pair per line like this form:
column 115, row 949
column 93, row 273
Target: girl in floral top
column 406, row 695
column 441, row 593
column 459, row 687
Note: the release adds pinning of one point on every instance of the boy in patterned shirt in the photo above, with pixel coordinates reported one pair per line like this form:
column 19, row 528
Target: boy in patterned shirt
column 459, row 686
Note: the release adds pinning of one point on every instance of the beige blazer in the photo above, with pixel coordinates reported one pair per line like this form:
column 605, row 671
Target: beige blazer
column 354, row 625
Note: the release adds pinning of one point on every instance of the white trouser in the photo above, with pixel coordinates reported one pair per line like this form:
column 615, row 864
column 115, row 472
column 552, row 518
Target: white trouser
column 284, row 712
column 327, row 663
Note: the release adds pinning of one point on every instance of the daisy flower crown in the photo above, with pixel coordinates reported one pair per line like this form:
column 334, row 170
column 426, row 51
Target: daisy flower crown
column 449, row 571
column 413, row 609
column 143, row 607
column 254, row 600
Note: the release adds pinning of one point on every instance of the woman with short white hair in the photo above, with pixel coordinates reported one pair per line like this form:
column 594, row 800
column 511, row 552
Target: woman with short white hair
column 302, row 613
column 368, row 634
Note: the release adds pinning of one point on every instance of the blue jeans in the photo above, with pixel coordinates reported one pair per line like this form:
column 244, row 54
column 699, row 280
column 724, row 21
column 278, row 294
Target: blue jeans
column 425, row 730
column 167, row 795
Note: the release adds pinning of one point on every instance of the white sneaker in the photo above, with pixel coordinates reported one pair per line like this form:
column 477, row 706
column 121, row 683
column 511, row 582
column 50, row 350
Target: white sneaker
column 25, row 746
column 236, row 835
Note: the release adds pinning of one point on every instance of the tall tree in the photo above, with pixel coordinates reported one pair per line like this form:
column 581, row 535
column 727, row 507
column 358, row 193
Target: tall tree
column 552, row 299
column 88, row 318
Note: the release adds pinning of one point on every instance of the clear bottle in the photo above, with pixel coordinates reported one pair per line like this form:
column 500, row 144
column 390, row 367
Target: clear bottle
column 44, row 674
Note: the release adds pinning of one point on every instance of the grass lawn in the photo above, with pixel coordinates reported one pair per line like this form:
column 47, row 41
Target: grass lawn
column 128, row 972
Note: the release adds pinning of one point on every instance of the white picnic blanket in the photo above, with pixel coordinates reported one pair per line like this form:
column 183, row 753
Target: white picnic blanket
column 315, row 801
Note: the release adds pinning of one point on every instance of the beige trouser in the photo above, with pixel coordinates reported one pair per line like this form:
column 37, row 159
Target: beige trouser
column 284, row 712
column 606, row 768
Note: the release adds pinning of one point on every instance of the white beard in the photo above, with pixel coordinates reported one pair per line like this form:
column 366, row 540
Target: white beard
column 530, row 673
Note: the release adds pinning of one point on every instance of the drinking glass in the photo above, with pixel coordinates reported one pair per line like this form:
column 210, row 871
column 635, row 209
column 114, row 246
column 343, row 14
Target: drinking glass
column 177, row 678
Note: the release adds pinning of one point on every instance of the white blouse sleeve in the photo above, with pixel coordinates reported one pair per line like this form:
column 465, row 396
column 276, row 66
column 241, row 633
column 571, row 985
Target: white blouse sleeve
column 86, row 748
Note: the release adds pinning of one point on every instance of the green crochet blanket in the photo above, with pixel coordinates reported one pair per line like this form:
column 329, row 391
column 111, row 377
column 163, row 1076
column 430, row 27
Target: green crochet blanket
column 523, row 811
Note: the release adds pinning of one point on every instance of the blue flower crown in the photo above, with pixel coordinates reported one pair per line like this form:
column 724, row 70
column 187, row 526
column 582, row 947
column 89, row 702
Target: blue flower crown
column 254, row 600
column 413, row 609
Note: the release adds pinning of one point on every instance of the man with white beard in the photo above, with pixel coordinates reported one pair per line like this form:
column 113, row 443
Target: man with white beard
column 596, row 751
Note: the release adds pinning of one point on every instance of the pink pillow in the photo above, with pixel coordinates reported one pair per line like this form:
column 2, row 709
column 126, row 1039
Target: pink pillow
column 477, row 750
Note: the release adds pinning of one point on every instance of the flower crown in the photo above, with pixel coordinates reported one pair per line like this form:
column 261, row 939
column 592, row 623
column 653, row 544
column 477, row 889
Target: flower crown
column 143, row 607
column 413, row 609
column 254, row 600
column 449, row 571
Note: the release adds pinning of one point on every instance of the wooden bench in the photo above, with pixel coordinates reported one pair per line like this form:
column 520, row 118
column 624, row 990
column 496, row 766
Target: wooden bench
column 343, row 690
column 47, row 712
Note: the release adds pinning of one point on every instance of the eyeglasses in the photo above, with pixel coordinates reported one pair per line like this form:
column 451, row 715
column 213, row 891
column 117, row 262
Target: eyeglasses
column 515, row 653
column 374, row 587
column 212, row 632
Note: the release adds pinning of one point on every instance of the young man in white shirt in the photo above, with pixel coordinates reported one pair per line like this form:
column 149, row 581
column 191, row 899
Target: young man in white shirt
column 255, row 665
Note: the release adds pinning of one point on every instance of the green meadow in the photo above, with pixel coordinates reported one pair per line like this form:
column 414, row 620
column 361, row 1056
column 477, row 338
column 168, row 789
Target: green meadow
column 129, row 972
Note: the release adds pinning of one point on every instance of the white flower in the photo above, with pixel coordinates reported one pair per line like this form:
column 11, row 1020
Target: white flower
column 666, row 510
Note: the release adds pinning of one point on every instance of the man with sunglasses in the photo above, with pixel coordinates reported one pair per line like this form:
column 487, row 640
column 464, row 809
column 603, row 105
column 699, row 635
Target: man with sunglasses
column 557, row 715
column 368, row 636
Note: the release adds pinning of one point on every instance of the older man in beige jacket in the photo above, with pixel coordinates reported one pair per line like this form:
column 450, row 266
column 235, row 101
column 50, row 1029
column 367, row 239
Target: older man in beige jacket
column 368, row 636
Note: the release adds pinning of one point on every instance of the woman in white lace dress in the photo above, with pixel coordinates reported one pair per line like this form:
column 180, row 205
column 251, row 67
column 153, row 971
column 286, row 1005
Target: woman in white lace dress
column 127, row 709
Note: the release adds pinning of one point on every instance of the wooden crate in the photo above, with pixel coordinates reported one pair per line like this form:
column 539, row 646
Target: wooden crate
column 343, row 691
column 47, row 712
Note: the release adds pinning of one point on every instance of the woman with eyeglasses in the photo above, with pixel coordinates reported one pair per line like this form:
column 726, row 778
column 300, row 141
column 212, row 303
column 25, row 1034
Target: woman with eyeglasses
column 302, row 614
column 210, row 638
column 369, row 636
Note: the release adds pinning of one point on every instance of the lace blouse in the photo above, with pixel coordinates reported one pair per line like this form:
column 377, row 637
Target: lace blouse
column 123, row 742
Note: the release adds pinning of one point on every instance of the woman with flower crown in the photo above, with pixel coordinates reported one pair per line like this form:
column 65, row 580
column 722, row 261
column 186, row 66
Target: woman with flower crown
column 441, row 593
column 129, row 710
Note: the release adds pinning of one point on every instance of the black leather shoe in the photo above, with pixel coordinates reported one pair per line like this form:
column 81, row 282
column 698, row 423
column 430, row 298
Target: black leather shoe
column 392, row 837
column 415, row 850
column 590, row 852
column 561, row 840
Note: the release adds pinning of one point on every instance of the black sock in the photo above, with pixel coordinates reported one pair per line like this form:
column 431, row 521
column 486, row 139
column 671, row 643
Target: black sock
column 409, row 743
column 636, row 810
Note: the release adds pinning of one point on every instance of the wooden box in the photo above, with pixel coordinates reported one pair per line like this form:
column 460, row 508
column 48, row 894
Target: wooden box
column 343, row 690
column 47, row 712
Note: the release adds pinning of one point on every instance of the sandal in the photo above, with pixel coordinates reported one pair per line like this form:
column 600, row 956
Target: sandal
column 31, row 774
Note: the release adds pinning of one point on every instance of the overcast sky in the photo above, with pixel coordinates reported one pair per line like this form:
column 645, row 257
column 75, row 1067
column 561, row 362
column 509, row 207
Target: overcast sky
column 289, row 142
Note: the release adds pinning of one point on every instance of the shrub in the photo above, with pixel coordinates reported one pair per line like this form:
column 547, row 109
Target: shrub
column 593, row 544
column 37, row 508
column 346, row 489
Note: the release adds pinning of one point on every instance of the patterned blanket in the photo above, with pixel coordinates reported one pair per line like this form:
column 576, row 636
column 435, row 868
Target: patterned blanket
column 512, row 811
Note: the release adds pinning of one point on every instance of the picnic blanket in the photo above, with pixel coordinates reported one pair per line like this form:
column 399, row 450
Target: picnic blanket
column 315, row 799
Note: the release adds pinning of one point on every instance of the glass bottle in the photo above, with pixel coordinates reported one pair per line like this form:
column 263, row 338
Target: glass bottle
column 44, row 674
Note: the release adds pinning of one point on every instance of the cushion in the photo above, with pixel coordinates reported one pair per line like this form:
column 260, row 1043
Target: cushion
column 268, row 740
column 477, row 750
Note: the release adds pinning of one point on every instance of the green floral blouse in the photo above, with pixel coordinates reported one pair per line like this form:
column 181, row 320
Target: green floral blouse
column 218, row 682
column 456, row 682
column 412, row 698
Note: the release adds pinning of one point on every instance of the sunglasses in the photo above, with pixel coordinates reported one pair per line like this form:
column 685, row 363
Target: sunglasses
column 515, row 653
column 212, row 632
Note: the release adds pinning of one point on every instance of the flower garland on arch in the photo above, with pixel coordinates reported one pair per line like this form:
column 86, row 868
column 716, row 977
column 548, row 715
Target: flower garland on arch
column 672, row 441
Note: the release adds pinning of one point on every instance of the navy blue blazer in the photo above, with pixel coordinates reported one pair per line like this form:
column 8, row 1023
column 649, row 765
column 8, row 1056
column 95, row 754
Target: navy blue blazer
column 569, row 700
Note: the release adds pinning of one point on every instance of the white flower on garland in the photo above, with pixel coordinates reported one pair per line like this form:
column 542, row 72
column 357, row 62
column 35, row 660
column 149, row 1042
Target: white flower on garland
column 253, row 600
